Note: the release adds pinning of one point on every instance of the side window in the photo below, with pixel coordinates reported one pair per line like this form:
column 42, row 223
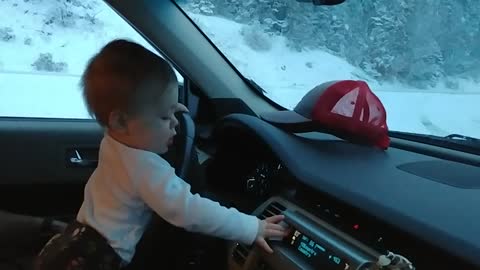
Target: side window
column 44, row 48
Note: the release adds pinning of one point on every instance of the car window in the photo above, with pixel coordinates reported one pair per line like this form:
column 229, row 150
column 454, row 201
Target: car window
column 44, row 48
column 421, row 58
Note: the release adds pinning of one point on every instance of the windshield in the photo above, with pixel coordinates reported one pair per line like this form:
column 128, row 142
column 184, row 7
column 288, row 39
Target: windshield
column 421, row 58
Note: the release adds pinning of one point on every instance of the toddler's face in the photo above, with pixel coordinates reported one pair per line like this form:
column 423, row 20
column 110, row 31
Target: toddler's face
column 153, row 129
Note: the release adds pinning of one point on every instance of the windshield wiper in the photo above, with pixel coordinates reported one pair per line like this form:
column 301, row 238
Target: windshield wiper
column 261, row 92
column 256, row 87
column 453, row 141
column 462, row 138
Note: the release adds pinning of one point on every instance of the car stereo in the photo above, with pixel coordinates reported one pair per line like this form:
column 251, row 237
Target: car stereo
column 312, row 243
column 315, row 253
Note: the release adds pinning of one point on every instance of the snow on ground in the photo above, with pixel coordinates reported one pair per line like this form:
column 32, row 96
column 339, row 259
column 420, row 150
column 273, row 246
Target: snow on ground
column 41, row 96
column 73, row 44
column 286, row 75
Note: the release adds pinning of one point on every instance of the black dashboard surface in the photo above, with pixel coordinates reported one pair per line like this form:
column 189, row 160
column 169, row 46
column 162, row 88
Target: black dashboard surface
column 445, row 215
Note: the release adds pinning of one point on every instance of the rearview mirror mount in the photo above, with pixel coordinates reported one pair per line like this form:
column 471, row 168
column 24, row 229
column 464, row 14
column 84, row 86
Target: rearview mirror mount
column 323, row 2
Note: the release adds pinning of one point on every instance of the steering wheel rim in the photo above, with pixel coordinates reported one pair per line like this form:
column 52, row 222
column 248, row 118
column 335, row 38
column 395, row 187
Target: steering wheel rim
column 180, row 154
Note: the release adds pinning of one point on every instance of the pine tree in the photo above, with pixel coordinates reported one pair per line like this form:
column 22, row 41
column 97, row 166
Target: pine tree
column 387, row 39
column 203, row 7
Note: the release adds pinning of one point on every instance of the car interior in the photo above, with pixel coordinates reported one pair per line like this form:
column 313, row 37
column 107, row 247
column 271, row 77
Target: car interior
column 348, row 206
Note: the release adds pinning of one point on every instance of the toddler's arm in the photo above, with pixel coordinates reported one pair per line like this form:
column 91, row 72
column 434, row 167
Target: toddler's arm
column 170, row 197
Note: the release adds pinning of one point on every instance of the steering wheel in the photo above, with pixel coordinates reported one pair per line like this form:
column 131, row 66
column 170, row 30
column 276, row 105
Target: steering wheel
column 182, row 153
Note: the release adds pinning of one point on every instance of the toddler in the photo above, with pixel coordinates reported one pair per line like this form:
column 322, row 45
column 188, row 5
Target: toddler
column 133, row 94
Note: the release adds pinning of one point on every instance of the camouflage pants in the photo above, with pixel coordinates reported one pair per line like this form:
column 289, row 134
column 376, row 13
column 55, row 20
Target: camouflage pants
column 78, row 247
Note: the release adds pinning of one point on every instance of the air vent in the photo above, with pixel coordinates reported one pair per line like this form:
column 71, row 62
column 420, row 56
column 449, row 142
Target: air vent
column 272, row 209
column 240, row 254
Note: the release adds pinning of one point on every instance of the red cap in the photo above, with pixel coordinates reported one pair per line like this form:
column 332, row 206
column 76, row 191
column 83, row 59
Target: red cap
column 347, row 109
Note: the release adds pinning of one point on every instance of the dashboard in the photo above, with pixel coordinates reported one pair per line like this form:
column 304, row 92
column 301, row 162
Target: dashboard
column 347, row 206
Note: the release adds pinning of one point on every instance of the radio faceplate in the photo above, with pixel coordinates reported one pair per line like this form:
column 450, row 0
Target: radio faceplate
column 311, row 244
column 315, row 253
column 323, row 247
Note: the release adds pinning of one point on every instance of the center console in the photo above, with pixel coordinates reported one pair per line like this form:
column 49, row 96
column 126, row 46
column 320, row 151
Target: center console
column 311, row 244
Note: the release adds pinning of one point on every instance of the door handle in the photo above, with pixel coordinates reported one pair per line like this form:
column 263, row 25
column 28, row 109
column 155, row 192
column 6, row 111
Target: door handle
column 77, row 160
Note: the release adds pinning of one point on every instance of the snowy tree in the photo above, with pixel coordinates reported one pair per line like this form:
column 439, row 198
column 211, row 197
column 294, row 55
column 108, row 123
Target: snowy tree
column 205, row 7
column 299, row 28
column 276, row 20
column 256, row 38
column 427, row 62
column 71, row 13
column 452, row 37
column 6, row 34
column 45, row 63
column 386, row 41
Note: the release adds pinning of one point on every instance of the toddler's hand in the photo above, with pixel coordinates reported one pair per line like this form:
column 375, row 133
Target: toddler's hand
column 269, row 227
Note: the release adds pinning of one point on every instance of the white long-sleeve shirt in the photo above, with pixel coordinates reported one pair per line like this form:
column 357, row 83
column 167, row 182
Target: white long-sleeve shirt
column 129, row 183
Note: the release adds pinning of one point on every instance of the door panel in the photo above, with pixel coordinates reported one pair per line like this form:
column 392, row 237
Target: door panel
column 36, row 175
